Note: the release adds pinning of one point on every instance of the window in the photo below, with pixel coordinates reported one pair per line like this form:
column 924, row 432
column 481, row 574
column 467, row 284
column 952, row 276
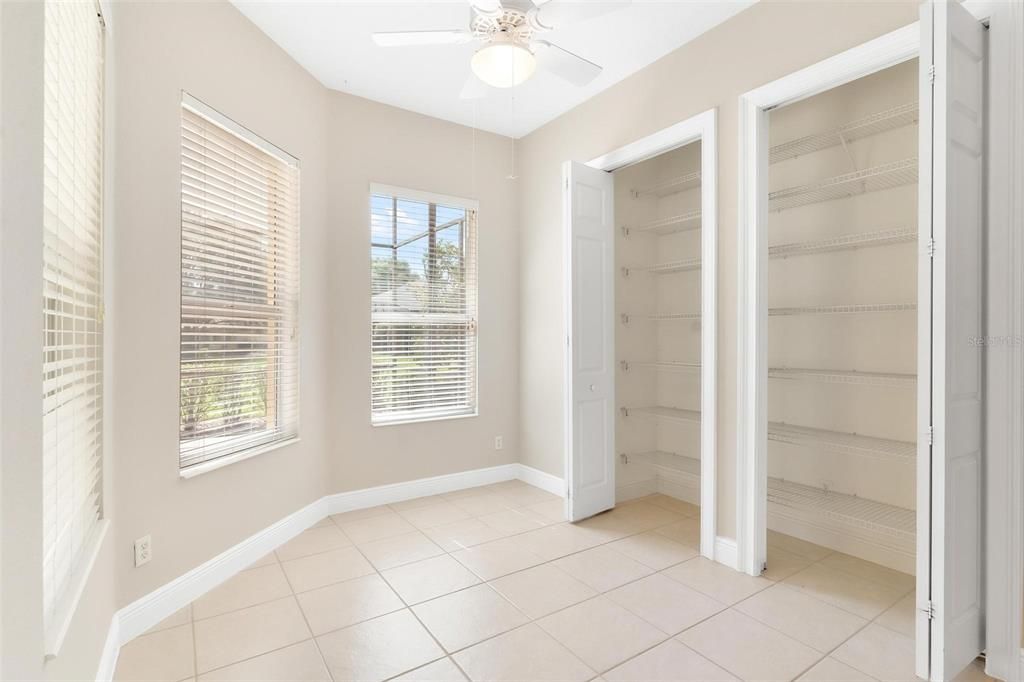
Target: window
column 423, row 306
column 239, row 364
column 72, row 305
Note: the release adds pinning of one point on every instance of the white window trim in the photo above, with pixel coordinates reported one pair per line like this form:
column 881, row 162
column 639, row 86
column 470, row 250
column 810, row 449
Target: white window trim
column 67, row 606
column 53, row 638
column 243, row 453
column 426, row 197
column 203, row 109
column 240, row 456
column 447, row 200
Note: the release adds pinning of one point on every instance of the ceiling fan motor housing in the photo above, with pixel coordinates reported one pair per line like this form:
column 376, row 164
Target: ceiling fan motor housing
column 508, row 24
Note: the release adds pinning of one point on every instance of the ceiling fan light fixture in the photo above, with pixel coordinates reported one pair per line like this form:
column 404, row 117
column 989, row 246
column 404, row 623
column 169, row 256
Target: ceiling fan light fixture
column 503, row 63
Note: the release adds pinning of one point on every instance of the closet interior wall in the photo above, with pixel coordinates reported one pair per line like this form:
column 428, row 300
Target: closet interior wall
column 658, row 336
column 842, row 322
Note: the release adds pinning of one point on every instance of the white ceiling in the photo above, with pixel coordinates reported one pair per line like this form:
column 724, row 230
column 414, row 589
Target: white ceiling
column 331, row 39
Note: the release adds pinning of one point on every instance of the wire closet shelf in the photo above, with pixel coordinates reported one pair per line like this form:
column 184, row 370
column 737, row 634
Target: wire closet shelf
column 684, row 222
column 662, row 412
column 666, row 365
column 841, row 442
column 837, row 376
column 668, row 268
column 851, row 309
column 674, row 185
column 884, row 524
column 877, row 123
column 676, row 461
column 848, row 242
column 875, row 179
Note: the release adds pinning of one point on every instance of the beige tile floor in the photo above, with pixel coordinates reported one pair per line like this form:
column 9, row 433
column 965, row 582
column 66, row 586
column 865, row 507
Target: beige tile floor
column 490, row 584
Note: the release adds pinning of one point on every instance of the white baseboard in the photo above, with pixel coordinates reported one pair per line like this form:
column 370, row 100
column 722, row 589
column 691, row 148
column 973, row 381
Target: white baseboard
column 726, row 552
column 422, row 487
column 540, row 479
column 145, row 612
column 111, row 648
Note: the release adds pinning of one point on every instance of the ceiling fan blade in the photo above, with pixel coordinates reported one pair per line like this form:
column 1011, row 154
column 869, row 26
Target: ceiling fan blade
column 473, row 88
column 565, row 64
column 487, row 7
column 406, row 38
column 553, row 14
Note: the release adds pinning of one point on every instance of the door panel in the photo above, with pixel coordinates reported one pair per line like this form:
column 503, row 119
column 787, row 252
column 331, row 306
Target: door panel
column 949, row 624
column 590, row 362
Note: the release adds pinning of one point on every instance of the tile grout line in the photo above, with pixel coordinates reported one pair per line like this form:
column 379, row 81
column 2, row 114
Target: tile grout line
column 305, row 619
column 312, row 637
column 195, row 647
column 411, row 612
column 483, row 582
column 868, row 621
column 603, row 541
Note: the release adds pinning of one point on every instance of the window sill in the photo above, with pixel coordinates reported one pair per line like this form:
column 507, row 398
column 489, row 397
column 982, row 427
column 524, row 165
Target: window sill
column 221, row 462
column 422, row 420
column 53, row 638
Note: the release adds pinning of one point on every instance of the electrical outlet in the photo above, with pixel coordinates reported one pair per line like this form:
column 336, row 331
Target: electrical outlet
column 143, row 550
column 499, row 443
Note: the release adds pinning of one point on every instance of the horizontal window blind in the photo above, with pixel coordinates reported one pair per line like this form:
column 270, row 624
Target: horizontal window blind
column 239, row 290
column 423, row 309
column 72, row 305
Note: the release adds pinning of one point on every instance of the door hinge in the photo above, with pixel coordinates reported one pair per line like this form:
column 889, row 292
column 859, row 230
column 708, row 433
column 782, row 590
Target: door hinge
column 930, row 247
column 928, row 609
column 930, row 435
column 931, row 74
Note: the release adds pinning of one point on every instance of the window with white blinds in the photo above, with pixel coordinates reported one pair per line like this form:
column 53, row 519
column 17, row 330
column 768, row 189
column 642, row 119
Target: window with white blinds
column 72, row 305
column 239, row 391
column 423, row 307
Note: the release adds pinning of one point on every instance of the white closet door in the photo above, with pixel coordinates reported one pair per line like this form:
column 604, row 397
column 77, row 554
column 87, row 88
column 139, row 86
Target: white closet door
column 949, row 594
column 591, row 343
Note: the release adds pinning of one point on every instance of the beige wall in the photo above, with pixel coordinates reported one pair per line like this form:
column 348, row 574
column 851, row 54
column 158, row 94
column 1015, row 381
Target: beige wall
column 213, row 53
column 765, row 42
column 155, row 51
column 372, row 142
column 343, row 143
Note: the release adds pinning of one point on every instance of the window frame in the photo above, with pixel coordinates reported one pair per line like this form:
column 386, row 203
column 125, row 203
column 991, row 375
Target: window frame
column 57, row 623
column 246, row 448
column 443, row 200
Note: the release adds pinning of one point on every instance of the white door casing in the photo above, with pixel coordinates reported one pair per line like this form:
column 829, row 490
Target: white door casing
column 950, row 390
column 590, row 362
column 703, row 128
column 883, row 52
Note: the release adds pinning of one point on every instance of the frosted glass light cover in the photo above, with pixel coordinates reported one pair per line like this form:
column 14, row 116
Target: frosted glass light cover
column 503, row 64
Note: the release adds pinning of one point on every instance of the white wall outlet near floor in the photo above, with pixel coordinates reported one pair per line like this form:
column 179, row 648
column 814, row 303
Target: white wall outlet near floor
column 143, row 550
column 499, row 443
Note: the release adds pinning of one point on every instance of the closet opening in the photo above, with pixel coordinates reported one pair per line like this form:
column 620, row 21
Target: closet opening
column 658, row 338
column 842, row 301
column 642, row 241
column 861, row 400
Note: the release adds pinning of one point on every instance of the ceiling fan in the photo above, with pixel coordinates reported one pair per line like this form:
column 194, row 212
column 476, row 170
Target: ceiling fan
column 510, row 50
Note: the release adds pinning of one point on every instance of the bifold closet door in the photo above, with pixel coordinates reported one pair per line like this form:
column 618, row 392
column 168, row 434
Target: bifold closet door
column 949, row 563
column 590, row 385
